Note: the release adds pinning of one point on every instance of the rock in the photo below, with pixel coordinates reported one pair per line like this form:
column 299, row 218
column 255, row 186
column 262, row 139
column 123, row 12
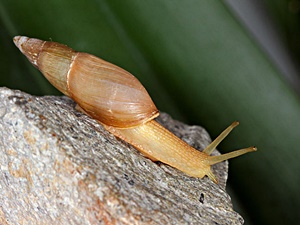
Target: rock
column 59, row 166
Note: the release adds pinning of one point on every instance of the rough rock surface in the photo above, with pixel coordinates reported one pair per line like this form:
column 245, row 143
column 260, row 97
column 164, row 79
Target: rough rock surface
column 59, row 166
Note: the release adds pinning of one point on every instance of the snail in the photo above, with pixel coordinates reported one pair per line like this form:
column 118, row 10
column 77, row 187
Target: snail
column 117, row 100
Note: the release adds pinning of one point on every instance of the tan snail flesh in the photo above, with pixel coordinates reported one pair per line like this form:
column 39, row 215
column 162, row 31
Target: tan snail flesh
column 116, row 99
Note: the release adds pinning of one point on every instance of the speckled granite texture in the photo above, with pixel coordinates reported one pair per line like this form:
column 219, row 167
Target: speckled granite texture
column 59, row 166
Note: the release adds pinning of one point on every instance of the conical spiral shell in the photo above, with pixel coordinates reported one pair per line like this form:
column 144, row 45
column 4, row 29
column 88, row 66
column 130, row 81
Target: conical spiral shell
column 104, row 91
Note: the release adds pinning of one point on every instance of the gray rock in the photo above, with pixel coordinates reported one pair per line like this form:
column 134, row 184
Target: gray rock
column 59, row 166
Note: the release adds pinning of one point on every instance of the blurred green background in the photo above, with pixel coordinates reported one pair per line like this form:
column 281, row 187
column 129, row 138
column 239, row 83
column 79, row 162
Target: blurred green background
column 204, row 62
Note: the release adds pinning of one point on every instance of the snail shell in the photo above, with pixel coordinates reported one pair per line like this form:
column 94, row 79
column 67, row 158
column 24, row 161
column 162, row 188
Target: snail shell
column 106, row 92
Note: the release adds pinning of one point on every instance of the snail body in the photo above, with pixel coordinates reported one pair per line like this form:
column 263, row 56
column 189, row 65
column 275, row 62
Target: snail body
column 117, row 100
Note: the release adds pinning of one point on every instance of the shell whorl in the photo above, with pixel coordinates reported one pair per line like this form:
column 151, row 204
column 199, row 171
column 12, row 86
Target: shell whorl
column 51, row 58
